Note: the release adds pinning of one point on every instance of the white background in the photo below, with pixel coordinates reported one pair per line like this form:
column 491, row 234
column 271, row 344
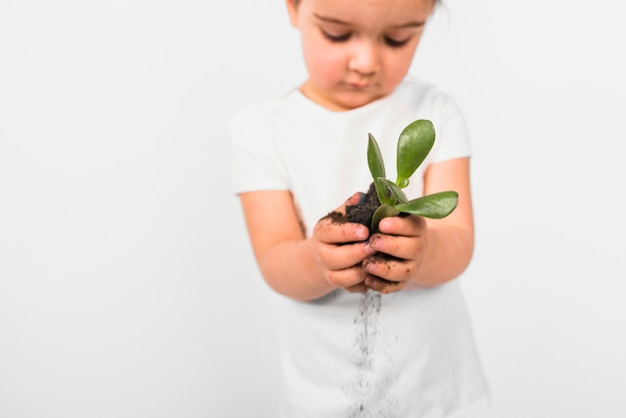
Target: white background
column 127, row 285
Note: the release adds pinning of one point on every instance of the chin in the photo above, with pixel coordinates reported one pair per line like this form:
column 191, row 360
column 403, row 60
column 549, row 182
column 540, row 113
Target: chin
column 352, row 101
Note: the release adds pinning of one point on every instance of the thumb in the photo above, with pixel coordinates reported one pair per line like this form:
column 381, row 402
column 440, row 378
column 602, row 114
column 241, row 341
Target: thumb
column 352, row 200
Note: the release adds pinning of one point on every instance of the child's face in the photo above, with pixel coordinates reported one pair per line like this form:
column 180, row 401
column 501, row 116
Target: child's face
column 357, row 51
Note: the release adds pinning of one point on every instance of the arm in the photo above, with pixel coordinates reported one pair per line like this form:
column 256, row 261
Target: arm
column 429, row 252
column 295, row 266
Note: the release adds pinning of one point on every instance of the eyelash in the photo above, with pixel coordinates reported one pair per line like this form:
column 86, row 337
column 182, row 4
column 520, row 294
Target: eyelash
column 337, row 38
column 343, row 38
column 396, row 44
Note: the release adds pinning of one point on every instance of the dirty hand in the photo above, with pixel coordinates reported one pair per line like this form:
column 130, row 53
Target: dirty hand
column 340, row 248
column 400, row 246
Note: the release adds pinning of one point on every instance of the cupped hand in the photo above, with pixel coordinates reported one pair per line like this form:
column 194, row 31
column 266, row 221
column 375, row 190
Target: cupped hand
column 340, row 248
column 400, row 246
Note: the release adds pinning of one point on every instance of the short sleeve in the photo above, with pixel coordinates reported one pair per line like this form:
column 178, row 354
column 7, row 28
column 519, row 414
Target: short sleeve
column 254, row 161
column 452, row 139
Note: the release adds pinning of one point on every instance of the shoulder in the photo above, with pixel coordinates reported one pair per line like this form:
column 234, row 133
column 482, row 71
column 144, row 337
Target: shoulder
column 265, row 107
column 426, row 96
column 431, row 102
column 268, row 123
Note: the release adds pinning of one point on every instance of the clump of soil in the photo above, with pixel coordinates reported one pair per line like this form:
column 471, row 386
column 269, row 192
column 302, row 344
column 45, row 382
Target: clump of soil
column 360, row 212
column 363, row 211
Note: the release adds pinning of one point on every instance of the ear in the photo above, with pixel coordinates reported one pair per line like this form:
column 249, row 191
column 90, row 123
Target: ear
column 292, row 9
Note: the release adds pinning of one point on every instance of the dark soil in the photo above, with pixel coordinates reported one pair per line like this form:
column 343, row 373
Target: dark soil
column 363, row 211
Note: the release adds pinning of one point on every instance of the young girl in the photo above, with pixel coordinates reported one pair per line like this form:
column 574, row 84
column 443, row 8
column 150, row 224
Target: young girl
column 362, row 336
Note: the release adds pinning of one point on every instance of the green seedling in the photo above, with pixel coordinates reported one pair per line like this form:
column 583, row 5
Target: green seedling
column 414, row 144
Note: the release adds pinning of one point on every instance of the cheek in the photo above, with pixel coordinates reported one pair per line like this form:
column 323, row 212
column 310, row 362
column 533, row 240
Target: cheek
column 322, row 63
column 398, row 66
column 400, row 69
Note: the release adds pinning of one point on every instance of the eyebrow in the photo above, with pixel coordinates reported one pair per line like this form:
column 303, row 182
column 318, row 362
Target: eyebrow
column 411, row 24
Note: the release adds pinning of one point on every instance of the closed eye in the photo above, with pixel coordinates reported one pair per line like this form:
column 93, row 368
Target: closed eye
column 337, row 38
column 395, row 43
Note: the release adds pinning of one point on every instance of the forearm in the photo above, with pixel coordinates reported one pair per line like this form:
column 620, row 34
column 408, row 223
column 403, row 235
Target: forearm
column 449, row 241
column 290, row 269
column 449, row 251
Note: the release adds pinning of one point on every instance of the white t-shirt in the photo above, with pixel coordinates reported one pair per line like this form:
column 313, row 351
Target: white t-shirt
column 406, row 354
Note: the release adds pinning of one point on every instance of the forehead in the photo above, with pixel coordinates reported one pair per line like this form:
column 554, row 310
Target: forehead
column 374, row 14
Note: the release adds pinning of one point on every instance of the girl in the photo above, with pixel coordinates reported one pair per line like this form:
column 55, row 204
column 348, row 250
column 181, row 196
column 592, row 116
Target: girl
column 362, row 336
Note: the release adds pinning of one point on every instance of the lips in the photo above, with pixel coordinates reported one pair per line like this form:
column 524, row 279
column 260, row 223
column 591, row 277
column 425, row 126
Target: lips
column 358, row 86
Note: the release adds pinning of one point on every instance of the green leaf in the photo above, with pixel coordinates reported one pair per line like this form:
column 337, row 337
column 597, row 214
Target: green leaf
column 435, row 206
column 383, row 211
column 414, row 144
column 375, row 158
column 396, row 192
column 382, row 191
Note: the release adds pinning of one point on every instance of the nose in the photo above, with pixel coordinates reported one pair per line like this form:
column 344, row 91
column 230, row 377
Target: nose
column 363, row 57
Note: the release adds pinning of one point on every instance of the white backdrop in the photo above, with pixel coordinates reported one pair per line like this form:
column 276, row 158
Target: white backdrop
column 127, row 285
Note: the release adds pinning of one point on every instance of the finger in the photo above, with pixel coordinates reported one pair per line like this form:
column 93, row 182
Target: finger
column 346, row 278
column 352, row 200
column 339, row 257
column 399, row 246
column 403, row 225
column 336, row 230
column 355, row 199
column 382, row 285
column 357, row 288
column 390, row 269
